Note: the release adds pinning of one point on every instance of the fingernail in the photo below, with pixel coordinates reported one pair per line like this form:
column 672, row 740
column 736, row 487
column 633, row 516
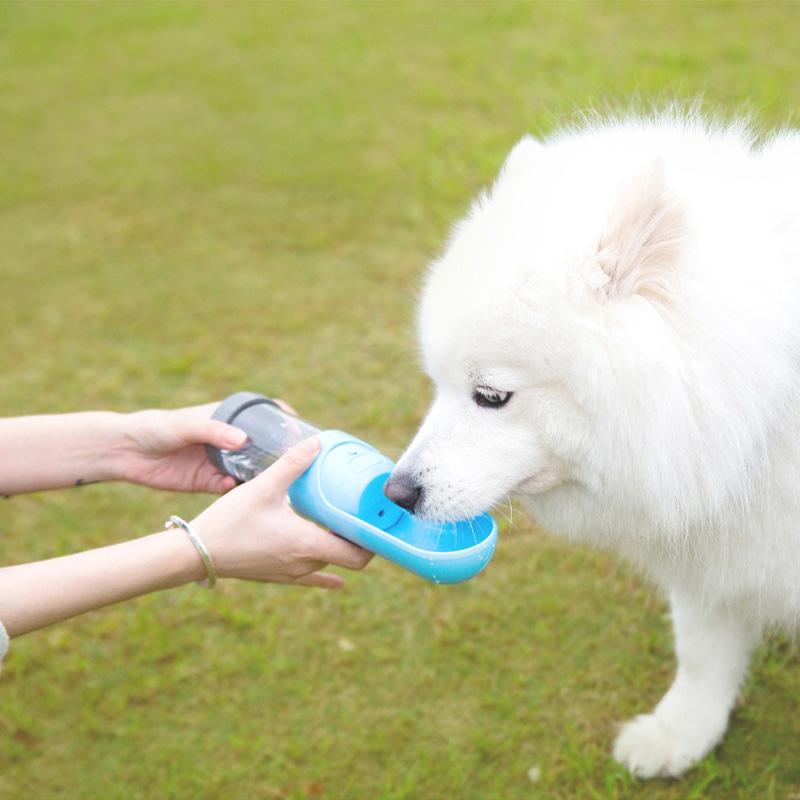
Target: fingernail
column 235, row 438
column 310, row 445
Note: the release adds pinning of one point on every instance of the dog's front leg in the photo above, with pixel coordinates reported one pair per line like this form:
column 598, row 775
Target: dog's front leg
column 713, row 647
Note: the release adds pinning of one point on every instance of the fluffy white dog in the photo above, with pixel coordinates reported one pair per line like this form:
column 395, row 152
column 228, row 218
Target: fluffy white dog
column 614, row 333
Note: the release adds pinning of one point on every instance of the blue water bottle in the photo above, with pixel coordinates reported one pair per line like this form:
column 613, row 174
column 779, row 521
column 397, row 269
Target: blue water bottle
column 343, row 491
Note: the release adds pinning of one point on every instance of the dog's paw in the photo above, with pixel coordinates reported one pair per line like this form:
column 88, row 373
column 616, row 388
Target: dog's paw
column 649, row 749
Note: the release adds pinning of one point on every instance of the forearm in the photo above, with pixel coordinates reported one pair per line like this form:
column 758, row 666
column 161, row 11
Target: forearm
column 36, row 595
column 53, row 451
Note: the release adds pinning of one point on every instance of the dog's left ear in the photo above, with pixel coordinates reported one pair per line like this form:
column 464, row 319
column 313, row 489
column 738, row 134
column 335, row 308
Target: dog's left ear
column 527, row 152
column 640, row 249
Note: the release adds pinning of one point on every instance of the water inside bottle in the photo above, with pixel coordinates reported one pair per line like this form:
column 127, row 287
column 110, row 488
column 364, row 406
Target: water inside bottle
column 271, row 432
column 247, row 462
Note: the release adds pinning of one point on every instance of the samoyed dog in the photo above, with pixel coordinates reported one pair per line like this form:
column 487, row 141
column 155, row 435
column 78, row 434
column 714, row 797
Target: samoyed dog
column 613, row 333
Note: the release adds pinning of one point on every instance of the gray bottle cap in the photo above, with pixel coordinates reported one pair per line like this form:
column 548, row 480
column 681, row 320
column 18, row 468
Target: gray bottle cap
column 227, row 411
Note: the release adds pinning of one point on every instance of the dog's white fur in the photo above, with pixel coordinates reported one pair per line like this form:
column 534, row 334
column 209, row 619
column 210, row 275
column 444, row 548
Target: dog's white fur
column 635, row 283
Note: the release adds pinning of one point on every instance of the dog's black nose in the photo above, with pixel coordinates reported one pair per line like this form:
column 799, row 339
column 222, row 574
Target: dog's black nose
column 403, row 490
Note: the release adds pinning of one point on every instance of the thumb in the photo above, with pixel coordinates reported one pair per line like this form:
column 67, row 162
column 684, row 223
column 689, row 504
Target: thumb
column 213, row 432
column 292, row 464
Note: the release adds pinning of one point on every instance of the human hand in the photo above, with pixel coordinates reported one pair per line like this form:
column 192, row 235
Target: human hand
column 252, row 532
column 164, row 449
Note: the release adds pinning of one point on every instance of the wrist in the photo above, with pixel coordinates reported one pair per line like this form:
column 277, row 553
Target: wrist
column 183, row 560
column 205, row 530
column 112, row 444
column 178, row 523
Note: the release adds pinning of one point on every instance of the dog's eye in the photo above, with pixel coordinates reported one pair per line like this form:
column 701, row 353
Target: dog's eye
column 486, row 397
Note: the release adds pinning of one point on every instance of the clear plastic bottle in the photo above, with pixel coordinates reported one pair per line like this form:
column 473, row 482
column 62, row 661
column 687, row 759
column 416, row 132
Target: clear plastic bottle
column 342, row 490
column 271, row 432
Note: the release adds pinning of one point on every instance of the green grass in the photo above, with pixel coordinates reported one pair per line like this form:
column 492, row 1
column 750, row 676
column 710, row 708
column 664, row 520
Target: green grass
column 196, row 199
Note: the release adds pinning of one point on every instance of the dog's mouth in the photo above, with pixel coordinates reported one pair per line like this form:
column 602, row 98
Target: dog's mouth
column 537, row 483
column 428, row 506
column 449, row 516
column 461, row 513
column 545, row 479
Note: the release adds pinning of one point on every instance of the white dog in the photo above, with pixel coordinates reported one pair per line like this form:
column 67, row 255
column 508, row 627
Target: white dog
column 614, row 333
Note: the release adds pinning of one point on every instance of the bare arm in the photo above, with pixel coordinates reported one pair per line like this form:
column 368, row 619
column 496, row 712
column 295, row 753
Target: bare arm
column 251, row 533
column 162, row 449
column 48, row 452
column 36, row 595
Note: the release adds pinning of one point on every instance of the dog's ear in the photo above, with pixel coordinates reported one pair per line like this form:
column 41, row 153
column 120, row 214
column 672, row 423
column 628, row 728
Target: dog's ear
column 640, row 248
column 526, row 152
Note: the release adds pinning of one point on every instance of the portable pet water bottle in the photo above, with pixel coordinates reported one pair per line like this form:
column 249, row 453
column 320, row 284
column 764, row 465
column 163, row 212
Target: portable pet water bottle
column 343, row 490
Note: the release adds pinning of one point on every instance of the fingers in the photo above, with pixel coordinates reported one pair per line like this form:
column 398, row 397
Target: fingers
column 217, row 483
column 322, row 580
column 284, row 406
column 290, row 466
column 332, row 549
column 207, row 409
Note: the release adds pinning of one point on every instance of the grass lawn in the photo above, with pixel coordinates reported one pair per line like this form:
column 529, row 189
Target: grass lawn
column 201, row 198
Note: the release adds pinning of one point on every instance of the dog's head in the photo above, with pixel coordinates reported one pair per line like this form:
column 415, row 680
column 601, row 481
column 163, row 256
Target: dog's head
column 515, row 321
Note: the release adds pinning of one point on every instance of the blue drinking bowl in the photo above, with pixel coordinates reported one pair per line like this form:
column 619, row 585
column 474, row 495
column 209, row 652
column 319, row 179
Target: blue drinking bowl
column 343, row 490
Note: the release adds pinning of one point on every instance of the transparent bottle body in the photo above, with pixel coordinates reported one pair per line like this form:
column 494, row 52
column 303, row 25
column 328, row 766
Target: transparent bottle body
column 271, row 432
